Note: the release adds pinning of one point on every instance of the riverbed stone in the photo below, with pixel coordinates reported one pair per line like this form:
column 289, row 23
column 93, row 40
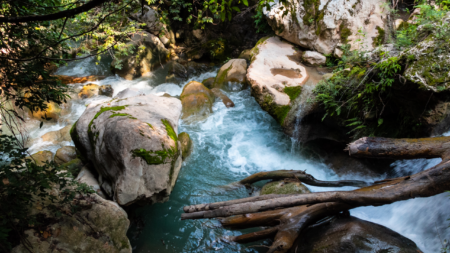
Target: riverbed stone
column 186, row 144
column 232, row 75
column 41, row 157
column 314, row 58
column 322, row 25
column 276, row 76
column 106, row 90
column 352, row 235
column 197, row 100
column 100, row 226
column 52, row 113
column 222, row 96
column 284, row 187
column 143, row 61
column 133, row 145
column 209, row 82
column 65, row 155
column 58, row 136
column 89, row 90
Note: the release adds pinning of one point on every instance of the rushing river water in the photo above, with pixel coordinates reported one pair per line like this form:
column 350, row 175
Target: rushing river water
column 228, row 146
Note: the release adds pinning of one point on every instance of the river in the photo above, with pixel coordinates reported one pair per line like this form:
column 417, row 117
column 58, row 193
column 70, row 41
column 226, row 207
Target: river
column 228, row 146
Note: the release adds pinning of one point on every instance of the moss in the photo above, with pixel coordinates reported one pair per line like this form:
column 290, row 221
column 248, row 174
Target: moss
column 74, row 166
column 220, row 78
column 281, row 187
column 150, row 125
column 255, row 50
column 344, row 32
column 154, row 157
column 91, row 136
column 121, row 114
column 379, row 40
column 293, row 92
column 277, row 111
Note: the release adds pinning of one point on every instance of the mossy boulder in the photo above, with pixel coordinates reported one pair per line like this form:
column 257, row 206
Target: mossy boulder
column 41, row 157
column 197, row 100
column 284, row 187
column 186, row 144
column 102, row 229
column 246, row 55
column 65, row 155
column 232, row 75
column 89, row 90
column 58, row 136
column 351, row 235
column 132, row 142
column 74, row 166
column 53, row 112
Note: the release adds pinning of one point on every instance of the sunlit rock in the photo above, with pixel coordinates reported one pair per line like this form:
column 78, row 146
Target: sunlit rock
column 197, row 101
column 89, row 90
column 133, row 144
column 52, row 112
column 321, row 25
column 232, row 75
column 186, row 144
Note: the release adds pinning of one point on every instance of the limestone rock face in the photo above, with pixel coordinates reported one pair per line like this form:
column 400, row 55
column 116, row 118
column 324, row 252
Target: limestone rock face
column 352, row 235
column 284, row 187
column 314, row 58
column 75, row 233
column 197, row 100
column 321, row 25
column 149, row 58
column 65, row 155
column 133, row 144
column 276, row 76
column 232, row 75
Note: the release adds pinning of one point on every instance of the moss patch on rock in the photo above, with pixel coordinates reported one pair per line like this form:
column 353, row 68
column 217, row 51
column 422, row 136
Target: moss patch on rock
column 279, row 112
column 293, row 92
column 284, row 187
column 379, row 40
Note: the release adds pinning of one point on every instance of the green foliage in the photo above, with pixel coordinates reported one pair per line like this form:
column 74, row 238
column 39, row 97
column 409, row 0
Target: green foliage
column 25, row 185
column 260, row 20
column 293, row 92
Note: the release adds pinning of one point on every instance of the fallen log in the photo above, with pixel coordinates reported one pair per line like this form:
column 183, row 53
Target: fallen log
column 302, row 210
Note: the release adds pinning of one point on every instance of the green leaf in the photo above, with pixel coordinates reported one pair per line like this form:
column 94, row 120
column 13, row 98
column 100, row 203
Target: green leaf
column 380, row 121
column 236, row 9
column 245, row 2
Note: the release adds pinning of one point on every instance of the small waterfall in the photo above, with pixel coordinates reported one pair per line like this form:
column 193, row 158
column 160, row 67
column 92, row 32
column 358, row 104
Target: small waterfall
column 296, row 134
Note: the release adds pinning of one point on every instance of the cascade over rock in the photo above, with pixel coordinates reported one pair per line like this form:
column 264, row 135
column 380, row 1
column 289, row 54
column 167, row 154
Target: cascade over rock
column 276, row 76
column 322, row 25
column 133, row 144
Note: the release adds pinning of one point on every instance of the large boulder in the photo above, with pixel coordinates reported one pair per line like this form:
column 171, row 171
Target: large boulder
column 133, row 144
column 87, row 177
column 143, row 60
column 322, row 25
column 197, row 100
column 276, row 76
column 352, row 235
column 232, row 75
column 100, row 227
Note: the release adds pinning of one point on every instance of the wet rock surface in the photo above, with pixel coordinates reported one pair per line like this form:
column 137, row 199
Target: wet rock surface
column 352, row 235
column 232, row 75
column 197, row 100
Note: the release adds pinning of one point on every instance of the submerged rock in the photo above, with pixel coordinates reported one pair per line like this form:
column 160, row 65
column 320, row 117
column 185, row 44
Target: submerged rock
column 186, row 144
column 322, row 25
column 197, row 100
column 284, row 187
column 100, row 226
column 225, row 99
column 276, row 76
column 133, row 144
column 65, row 155
column 143, row 60
column 352, row 235
column 232, row 75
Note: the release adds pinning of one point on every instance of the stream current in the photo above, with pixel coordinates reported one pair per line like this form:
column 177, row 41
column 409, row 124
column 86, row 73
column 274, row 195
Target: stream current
column 228, row 146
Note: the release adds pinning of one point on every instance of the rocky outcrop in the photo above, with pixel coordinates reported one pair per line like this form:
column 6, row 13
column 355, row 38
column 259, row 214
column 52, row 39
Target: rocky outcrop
column 133, row 144
column 276, row 76
column 351, row 235
column 197, row 101
column 232, row 75
column 100, row 226
column 284, row 187
column 322, row 25
column 143, row 60
column 65, row 155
